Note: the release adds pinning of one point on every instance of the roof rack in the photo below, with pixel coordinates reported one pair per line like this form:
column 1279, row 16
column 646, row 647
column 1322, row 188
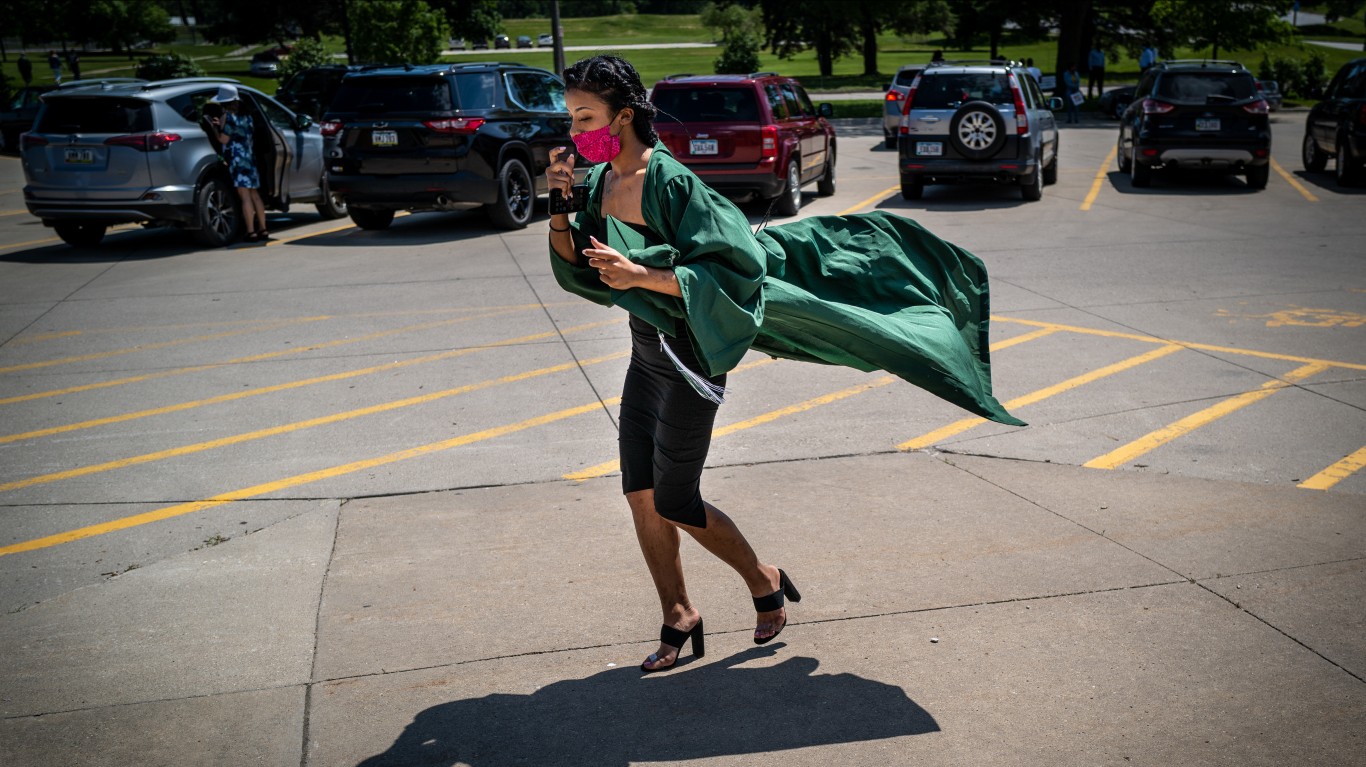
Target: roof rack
column 185, row 80
column 764, row 74
column 974, row 63
column 680, row 74
column 1203, row 62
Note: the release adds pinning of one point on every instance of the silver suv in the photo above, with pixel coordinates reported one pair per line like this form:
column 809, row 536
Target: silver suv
column 119, row 153
column 970, row 121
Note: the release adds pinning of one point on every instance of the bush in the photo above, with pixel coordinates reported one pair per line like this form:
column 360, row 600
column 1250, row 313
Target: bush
column 740, row 56
column 166, row 66
column 308, row 52
column 1315, row 76
column 1288, row 73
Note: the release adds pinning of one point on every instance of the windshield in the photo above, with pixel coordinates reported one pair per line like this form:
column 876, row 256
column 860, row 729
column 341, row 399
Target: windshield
column 383, row 95
column 1203, row 87
column 98, row 115
column 707, row 104
column 949, row 91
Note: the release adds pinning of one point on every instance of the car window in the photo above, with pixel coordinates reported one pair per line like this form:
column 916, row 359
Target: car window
column 806, row 101
column 536, row 92
column 1202, row 87
column 794, row 105
column 1354, row 85
column 950, row 91
column 276, row 114
column 98, row 115
column 775, row 101
column 477, row 90
column 905, row 77
column 1145, row 86
column 708, row 104
column 1033, row 93
column 380, row 95
column 191, row 105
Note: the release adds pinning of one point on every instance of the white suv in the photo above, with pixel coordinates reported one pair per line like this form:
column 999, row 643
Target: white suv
column 977, row 122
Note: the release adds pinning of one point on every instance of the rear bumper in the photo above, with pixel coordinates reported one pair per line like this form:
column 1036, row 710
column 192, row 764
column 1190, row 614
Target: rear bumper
column 414, row 191
column 762, row 179
column 930, row 170
column 173, row 204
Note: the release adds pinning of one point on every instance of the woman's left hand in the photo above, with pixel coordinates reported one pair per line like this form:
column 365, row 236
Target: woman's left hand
column 617, row 271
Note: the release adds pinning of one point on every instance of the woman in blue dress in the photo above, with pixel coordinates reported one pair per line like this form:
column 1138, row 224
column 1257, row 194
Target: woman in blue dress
column 235, row 132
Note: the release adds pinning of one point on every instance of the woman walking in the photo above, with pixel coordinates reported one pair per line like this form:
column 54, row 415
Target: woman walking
column 702, row 290
column 235, row 133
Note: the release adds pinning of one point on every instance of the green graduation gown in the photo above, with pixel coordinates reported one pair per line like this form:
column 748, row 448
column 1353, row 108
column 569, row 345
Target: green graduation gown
column 872, row 291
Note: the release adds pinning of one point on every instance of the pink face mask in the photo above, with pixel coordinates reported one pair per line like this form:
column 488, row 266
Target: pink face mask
column 598, row 145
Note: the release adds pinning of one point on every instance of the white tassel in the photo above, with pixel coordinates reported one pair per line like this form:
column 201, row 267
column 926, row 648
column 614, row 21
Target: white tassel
column 708, row 390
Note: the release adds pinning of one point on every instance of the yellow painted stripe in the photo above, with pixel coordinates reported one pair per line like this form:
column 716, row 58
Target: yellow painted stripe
column 1099, row 180
column 1150, row 442
column 239, row 395
column 12, row 212
column 287, row 428
column 1308, row 195
column 152, row 347
column 1187, row 344
column 958, row 427
column 283, row 240
column 1337, row 472
column 814, row 402
column 879, row 197
column 1022, row 338
column 47, row 241
column 242, row 360
column 297, row 480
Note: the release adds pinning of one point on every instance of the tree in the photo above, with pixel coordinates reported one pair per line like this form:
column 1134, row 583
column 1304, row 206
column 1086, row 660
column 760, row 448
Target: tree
column 739, row 29
column 1345, row 9
column 308, row 52
column 792, row 25
column 397, row 31
column 1224, row 23
column 120, row 24
column 471, row 19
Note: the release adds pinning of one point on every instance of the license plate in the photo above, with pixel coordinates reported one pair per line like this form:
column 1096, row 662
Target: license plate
column 80, row 156
column 929, row 149
column 1207, row 123
column 384, row 138
column 702, row 146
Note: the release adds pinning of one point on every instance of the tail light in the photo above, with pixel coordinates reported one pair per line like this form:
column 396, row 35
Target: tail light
column 892, row 95
column 27, row 140
column 910, row 96
column 455, row 124
column 145, row 142
column 1361, row 116
column 330, row 128
column 1021, row 116
column 768, row 147
column 1258, row 107
column 1155, row 107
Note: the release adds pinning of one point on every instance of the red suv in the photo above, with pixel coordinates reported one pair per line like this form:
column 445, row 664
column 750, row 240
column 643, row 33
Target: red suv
column 748, row 135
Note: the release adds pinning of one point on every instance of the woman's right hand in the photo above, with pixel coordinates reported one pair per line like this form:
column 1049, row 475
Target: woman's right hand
column 560, row 174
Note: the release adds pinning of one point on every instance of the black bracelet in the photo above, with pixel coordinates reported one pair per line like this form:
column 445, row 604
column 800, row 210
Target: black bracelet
column 553, row 229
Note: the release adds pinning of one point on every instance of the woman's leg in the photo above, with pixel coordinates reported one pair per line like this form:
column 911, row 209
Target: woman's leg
column 248, row 214
column 659, row 544
column 725, row 542
column 260, row 208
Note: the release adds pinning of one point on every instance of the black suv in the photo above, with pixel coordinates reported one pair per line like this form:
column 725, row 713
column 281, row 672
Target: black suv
column 310, row 91
column 445, row 137
column 1202, row 115
column 1336, row 126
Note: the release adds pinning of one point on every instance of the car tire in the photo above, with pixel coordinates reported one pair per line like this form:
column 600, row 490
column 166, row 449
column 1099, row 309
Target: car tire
column 891, row 141
column 912, row 188
column 826, row 186
column 332, row 206
column 1314, row 159
column 977, row 130
column 1258, row 175
column 1050, row 171
column 789, row 201
column 1125, row 161
column 516, row 197
column 1347, row 173
column 1141, row 175
column 80, row 235
column 1031, row 185
column 371, row 218
column 218, row 213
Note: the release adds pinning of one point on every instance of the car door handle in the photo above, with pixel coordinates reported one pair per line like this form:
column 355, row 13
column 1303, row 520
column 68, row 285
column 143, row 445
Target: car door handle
column 929, row 119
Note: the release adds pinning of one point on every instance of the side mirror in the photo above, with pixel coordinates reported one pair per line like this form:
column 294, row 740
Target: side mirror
column 304, row 121
column 1055, row 103
column 826, row 110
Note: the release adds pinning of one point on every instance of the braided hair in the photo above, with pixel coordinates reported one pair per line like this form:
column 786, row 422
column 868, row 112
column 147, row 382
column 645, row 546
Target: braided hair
column 615, row 81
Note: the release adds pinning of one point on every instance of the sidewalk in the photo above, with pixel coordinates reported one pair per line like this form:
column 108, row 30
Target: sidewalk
column 956, row 611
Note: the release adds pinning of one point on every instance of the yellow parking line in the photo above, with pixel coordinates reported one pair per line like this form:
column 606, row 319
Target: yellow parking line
column 875, row 198
column 1337, row 472
column 152, row 347
column 284, row 240
column 12, row 212
column 47, row 241
column 1187, row 344
column 347, row 415
column 240, row 395
column 1308, row 195
column 1150, row 442
column 297, row 480
column 1101, row 175
column 958, row 427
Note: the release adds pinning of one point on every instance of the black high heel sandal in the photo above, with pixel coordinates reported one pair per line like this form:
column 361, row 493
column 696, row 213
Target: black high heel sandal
column 675, row 638
column 774, row 601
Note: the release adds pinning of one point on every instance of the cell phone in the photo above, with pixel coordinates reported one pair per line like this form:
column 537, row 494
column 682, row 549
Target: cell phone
column 558, row 204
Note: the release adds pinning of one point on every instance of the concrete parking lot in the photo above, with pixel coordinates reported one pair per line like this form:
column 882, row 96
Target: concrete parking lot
column 351, row 498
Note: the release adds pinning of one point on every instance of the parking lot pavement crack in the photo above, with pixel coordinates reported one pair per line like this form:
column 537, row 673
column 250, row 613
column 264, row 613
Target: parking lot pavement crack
column 317, row 632
column 70, row 297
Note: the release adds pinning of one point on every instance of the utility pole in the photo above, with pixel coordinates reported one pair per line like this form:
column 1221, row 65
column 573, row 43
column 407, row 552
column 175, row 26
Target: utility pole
column 559, row 38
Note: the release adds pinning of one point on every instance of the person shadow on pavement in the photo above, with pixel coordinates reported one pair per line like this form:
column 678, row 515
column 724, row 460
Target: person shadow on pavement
column 617, row 718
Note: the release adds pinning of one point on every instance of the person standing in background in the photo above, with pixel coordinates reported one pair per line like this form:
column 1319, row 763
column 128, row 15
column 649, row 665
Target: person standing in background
column 25, row 69
column 1096, row 61
column 1147, row 58
column 73, row 60
column 1034, row 71
column 55, row 61
column 1071, row 88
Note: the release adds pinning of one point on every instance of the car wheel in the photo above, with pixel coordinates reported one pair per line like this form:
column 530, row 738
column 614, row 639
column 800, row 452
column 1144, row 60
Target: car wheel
column 891, row 141
column 977, row 130
column 1050, row 171
column 1346, row 171
column 790, row 200
column 371, row 218
column 912, row 188
column 333, row 206
column 1125, row 162
column 516, row 197
column 80, row 235
column 217, row 213
column 826, row 186
column 1031, row 185
column 1141, row 175
column 1314, row 158
column 1258, row 175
